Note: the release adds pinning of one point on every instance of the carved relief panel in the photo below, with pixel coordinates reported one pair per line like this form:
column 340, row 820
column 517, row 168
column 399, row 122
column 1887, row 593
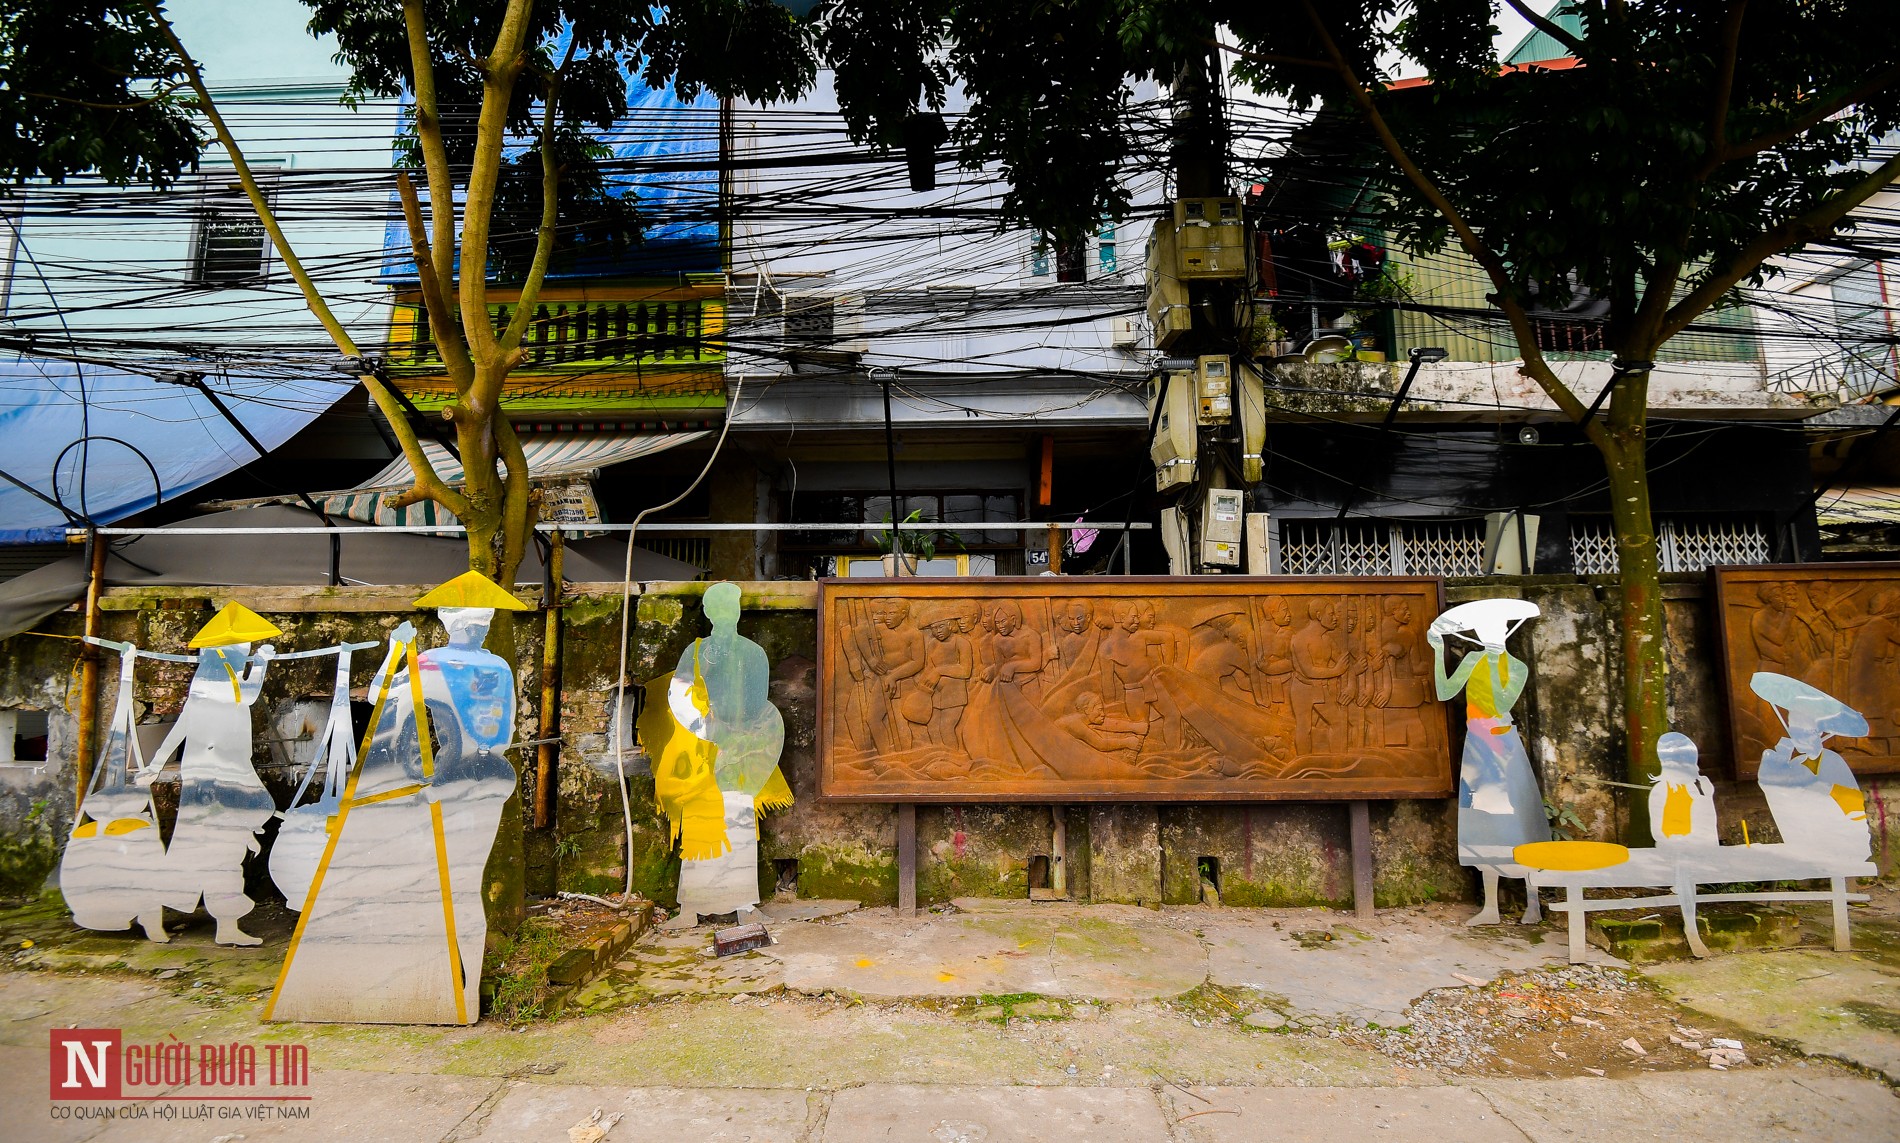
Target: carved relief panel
column 1835, row 627
column 1106, row 689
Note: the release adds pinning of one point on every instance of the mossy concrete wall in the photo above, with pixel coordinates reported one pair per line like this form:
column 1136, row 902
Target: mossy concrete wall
column 1254, row 854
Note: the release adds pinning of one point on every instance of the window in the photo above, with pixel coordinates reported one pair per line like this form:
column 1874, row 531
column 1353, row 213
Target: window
column 810, row 318
column 229, row 246
column 955, row 512
column 1072, row 263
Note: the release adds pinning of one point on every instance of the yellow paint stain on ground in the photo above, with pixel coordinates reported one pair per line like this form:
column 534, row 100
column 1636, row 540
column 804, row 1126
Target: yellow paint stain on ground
column 944, row 978
column 865, row 963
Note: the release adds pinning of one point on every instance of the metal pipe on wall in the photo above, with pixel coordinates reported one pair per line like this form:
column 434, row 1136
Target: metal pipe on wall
column 547, row 754
column 88, row 731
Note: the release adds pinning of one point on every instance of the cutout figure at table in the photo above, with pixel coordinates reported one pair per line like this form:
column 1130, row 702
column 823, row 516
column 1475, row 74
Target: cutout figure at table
column 1682, row 801
column 1814, row 796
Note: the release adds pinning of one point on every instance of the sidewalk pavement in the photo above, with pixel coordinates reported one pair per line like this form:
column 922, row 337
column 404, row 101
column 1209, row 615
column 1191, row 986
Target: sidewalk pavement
column 1004, row 1021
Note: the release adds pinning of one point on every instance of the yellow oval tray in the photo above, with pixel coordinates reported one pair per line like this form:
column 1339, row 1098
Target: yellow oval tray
column 1570, row 855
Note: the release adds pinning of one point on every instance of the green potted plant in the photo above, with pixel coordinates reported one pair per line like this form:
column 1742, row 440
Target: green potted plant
column 902, row 549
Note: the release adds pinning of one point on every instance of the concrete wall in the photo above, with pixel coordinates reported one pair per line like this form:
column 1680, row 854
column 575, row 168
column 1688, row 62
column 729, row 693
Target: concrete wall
column 1262, row 854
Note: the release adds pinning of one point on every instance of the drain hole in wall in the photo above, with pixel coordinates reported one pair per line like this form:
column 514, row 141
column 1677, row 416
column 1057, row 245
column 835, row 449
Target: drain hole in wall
column 1209, row 868
column 1039, row 871
column 787, row 870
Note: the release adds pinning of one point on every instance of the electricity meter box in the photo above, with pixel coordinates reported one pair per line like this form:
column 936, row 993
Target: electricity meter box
column 1210, row 239
column 1223, row 520
column 1213, row 385
column 1168, row 312
column 1175, row 444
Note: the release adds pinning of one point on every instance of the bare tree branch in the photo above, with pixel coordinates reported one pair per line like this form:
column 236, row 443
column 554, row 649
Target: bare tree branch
column 1726, row 58
column 385, row 400
column 435, row 159
column 510, row 340
column 499, row 71
column 437, row 303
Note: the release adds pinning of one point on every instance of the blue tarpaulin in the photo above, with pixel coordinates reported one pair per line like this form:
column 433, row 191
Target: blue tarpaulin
column 107, row 443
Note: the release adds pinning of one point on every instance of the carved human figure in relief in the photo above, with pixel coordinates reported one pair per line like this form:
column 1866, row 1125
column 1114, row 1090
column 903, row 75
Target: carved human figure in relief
column 1814, row 796
column 898, row 655
column 1219, row 653
column 1090, row 722
column 1016, row 651
column 1500, row 806
column 1075, row 638
column 1129, row 658
column 1319, row 667
column 1400, row 689
column 222, row 803
column 1276, row 651
column 1876, row 657
column 949, row 662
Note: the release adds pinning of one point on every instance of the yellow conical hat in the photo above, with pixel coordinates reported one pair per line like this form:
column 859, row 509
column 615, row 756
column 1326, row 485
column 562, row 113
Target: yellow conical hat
column 235, row 624
column 471, row 589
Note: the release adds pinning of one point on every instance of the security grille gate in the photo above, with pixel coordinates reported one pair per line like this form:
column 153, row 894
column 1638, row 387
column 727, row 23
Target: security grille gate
column 1381, row 547
column 1683, row 543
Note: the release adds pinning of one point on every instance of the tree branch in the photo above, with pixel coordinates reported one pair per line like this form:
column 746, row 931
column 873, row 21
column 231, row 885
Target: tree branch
column 510, row 340
column 435, row 153
column 443, row 321
column 1534, row 365
column 1726, row 59
column 1819, row 220
column 491, row 132
column 1547, row 26
column 1268, row 57
column 385, row 400
column 518, row 509
column 1813, row 113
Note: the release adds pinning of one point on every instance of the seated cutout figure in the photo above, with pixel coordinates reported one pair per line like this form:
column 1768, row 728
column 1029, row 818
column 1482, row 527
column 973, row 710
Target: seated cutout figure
column 1682, row 801
column 1814, row 796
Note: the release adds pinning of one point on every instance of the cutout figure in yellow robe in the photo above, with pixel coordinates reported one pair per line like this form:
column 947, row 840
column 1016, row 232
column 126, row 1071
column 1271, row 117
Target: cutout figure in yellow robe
column 714, row 738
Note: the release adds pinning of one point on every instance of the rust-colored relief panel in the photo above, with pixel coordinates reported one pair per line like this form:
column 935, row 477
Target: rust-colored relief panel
column 1110, row 689
column 1833, row 626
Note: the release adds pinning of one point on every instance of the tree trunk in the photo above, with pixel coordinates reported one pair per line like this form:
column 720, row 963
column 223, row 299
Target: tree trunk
column 1645, row 648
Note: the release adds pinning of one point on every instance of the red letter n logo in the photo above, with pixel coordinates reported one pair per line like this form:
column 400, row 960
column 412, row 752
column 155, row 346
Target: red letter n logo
column 85, row 1063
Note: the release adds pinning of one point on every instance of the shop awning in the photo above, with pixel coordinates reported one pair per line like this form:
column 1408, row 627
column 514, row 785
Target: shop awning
column 551, row 457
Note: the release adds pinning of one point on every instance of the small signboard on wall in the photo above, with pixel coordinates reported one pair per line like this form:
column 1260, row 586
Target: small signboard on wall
column 1108, row 689
column 1835, row 627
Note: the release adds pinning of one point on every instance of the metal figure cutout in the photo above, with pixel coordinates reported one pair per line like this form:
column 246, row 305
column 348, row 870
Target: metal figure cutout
column 1816, row 800
column 113, row 869
column 305, row 826
column 1500, row 806
column 392, row 928
column 1682, row 801
column 715, row 739
column 222, row 803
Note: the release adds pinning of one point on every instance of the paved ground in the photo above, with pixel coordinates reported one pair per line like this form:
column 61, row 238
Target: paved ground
column 1010, row 1021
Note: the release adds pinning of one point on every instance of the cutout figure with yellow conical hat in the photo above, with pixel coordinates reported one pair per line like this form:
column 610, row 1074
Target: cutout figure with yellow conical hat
column 222, row 804
column 393, row 925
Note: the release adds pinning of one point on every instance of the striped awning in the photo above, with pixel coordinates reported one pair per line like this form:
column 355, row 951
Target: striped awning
column 552, row 458
column 1865, row 504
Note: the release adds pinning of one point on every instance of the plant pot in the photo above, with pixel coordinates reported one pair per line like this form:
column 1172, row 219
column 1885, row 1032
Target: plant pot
column 890, row 564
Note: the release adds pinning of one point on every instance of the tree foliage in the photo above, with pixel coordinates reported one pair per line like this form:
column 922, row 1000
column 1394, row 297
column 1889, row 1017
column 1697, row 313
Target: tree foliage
column 85, row 89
